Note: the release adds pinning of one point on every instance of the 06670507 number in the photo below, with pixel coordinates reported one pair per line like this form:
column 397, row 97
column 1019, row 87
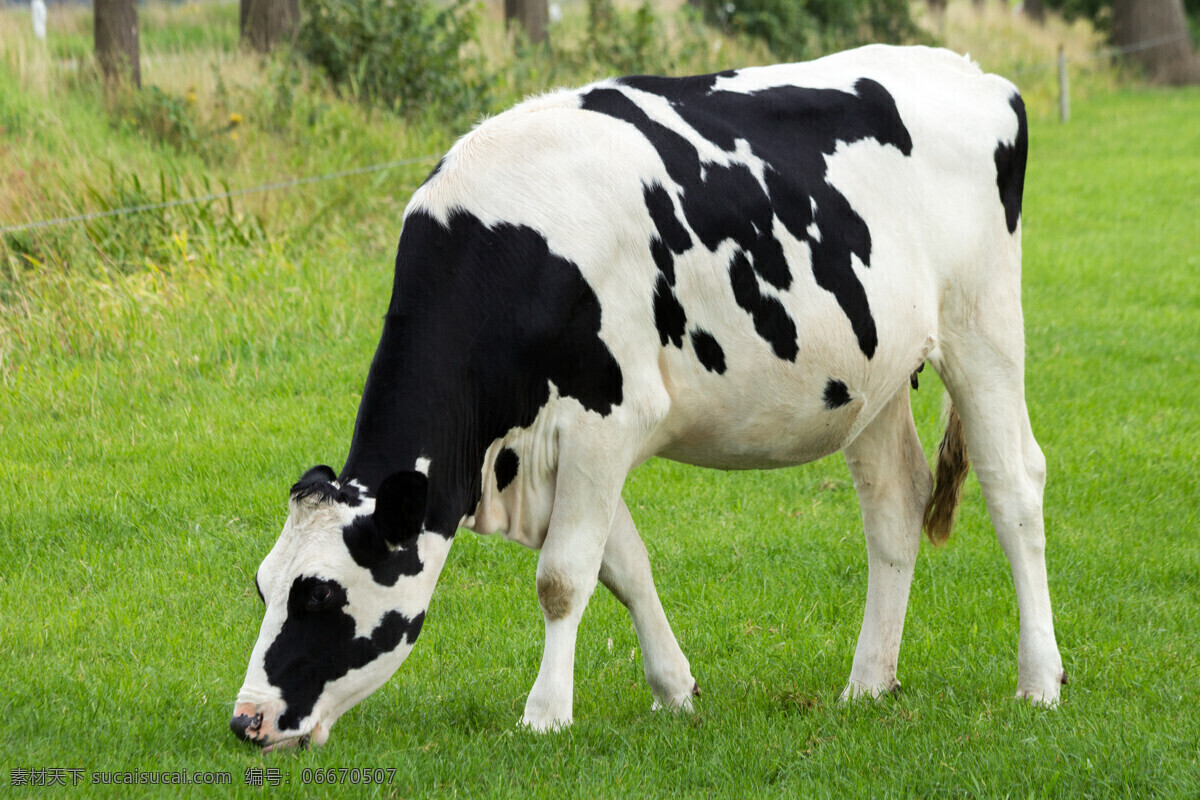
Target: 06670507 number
column 349, row 776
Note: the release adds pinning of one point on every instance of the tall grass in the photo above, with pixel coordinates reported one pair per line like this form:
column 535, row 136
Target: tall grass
column 1008, row 43
column 211, row 117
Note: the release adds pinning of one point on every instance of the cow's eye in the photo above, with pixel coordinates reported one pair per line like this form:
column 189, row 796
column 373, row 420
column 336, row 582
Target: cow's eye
column 319, row 597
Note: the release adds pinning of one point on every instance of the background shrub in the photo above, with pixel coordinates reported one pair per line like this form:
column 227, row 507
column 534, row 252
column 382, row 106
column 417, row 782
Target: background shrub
column 405, row 55
column 799, row 29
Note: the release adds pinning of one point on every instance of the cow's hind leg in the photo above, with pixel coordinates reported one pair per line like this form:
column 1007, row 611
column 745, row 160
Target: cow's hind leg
column 982, row 363
column 893, row 483
column 626, row 572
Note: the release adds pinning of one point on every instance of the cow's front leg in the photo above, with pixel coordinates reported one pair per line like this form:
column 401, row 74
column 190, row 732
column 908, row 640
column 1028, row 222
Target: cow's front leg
column 586, row 495
column 626, row 572
column 893, row 483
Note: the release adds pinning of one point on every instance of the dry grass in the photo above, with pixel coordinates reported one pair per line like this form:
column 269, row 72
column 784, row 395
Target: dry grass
column 1002, row 36
column 27, row 59
column 55, row 160
column 1006, row 42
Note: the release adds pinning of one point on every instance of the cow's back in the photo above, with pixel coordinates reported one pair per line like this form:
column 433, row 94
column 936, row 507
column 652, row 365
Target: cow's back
column 770, row 246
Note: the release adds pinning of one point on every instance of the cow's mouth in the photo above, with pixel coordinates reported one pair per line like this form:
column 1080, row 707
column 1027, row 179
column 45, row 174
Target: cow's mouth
column 301, row 742
column 261, row 732
column 313, row 738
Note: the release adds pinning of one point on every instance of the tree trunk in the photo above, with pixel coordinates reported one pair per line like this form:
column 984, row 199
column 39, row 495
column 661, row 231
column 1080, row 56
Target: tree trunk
column 532, row 14
column 264, row 23
column 1035, row 10
column 1156, row 33
column 116, row 40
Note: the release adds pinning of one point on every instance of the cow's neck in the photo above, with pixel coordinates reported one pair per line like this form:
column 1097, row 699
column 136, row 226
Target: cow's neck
column 456, row 369
column 417, row 412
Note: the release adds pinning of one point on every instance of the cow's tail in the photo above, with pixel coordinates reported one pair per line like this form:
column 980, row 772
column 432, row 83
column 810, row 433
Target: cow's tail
column 949, row 476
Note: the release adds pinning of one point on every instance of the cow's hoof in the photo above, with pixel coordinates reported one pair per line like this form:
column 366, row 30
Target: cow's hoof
column 1046, row 698
column 1042, row 690
column 1042, row 699
column 681, row 704
column 543, row 725
column 857, row 691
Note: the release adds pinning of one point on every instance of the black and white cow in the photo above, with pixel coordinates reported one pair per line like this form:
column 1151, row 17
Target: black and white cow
column 740, row 271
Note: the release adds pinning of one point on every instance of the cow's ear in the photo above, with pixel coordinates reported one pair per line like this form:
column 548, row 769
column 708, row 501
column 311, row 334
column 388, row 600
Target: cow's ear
column 400, row 506
column 316, row 481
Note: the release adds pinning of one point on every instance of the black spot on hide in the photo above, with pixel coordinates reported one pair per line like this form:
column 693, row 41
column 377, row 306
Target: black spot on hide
column 668, row 313
column 836, row 394
column 507, row 464
column 663, row 259
column 370, row 550
column 1010, row 166
column 791, row 129
column 662, row 212
column 709, row 351
column 771, row 320
column 317, row 645
column 386, row 541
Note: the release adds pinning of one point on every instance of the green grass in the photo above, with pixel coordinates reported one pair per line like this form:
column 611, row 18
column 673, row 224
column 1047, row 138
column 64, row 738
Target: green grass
column 154, row 410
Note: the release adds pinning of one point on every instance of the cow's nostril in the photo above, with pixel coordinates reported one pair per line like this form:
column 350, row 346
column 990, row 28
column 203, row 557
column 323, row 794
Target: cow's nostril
column 244, row 724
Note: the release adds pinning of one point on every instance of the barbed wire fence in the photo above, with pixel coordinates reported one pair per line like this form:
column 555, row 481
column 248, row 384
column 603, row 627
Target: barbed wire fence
column 1064, row 108
column 1062, row 65
column 286, row 183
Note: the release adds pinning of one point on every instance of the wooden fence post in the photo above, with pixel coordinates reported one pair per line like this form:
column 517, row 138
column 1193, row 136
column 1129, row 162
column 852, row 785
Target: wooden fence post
column 1064, row 89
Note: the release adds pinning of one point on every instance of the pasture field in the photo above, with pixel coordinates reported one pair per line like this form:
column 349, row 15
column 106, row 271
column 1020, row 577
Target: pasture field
column 151, row 423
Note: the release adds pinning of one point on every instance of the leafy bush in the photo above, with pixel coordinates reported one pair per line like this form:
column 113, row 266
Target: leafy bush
column 609, row 41
column 405, row 55
column 614, row 41
column 806, row 28
column 629, row 42
column 172, row 120
column 161, row 115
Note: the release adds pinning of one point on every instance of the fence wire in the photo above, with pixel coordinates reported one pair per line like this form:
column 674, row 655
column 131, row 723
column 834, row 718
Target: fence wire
column 1109, row 52
column 184, row 201
column 1106, row 53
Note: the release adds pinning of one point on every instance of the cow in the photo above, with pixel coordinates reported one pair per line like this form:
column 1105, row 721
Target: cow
column 742, row 270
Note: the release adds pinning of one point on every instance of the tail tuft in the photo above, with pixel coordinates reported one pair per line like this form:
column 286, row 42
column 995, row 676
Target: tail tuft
column 950, row 475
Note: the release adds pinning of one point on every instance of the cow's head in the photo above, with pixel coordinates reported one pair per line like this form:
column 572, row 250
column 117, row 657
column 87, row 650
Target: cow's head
column 345, row 588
